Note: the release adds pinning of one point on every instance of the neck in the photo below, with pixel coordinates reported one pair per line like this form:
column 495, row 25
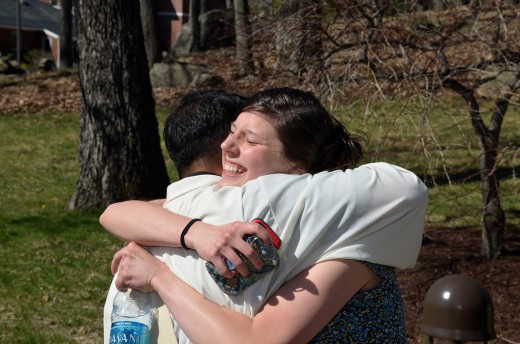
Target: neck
column 201, row 166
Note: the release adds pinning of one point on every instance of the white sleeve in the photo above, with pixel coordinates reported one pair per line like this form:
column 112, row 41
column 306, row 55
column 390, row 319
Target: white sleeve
column 374, row 213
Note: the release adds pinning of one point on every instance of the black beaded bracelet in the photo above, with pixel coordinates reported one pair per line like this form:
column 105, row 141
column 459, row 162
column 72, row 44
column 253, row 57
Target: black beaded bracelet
column 185, row 230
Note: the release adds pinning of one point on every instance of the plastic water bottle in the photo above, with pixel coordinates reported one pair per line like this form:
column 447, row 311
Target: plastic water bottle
column 132, row 316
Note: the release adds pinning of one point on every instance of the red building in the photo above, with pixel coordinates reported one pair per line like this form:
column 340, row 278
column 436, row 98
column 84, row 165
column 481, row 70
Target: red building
column 41, row 24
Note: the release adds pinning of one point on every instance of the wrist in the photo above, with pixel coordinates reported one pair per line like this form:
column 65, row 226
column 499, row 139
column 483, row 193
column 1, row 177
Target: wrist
column 185, row 238
column 162, row 276
column 197, row 238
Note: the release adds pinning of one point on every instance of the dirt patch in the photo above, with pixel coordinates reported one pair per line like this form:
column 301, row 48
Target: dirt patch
column 457, row 251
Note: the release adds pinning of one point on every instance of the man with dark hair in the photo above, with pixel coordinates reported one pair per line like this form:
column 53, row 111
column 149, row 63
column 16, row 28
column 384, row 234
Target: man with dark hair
column 196, row 127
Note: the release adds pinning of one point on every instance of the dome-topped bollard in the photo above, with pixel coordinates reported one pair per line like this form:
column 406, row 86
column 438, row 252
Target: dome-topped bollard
column 457, row 308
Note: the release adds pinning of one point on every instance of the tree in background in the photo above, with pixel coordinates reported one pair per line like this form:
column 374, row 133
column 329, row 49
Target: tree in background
column 298, row 39
column 66, row 56
column 148, row 13
column 193, row 21
column 402, row 49
column 461, row 49
column 242, row 34
column 120, row 156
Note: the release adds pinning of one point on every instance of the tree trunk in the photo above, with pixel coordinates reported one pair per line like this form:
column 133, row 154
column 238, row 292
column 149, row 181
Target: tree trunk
column 119, row 150
column 148, row 10
column 494, row 217
column 488, row 139
column 299, row 38
column 195, row 24
column 66, row 57
column 243, row 48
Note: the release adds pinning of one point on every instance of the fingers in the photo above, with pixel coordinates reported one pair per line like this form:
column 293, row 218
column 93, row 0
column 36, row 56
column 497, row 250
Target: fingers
column 217, row 243
column 249, row 253
column 261, row 232
column 253, row 256
column 238, row 244
column 116, row 260
column 120, row 284
column 234, row 261
column 117, row 267
column 224, row 270
column 120, row 261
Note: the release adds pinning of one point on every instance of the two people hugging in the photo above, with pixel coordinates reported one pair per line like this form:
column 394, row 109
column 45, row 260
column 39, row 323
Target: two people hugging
column 278, row 156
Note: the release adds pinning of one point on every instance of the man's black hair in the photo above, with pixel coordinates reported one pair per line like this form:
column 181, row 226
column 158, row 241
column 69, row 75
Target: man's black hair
column 198, row 124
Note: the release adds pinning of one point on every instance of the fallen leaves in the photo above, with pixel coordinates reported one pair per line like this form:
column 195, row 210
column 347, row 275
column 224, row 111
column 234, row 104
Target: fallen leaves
column 55, row 93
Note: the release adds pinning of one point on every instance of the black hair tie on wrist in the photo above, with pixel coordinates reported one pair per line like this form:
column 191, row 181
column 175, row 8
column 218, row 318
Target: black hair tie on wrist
column 185, row 231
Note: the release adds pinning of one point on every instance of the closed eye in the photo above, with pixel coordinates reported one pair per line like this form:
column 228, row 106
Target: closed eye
column 251, row 142
column 233, row 131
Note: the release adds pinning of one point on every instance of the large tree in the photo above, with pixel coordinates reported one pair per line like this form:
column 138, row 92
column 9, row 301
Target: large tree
column 119, row 150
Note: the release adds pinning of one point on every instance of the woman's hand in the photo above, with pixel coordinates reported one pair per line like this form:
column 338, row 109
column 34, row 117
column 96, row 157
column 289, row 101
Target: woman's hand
column 137, row 268
column 216, row 243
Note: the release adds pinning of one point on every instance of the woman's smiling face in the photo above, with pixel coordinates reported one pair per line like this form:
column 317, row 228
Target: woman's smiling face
column 252, row 149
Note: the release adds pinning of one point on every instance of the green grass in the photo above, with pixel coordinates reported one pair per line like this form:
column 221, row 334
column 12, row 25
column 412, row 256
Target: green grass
column 55, row 266
column 54, row 271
